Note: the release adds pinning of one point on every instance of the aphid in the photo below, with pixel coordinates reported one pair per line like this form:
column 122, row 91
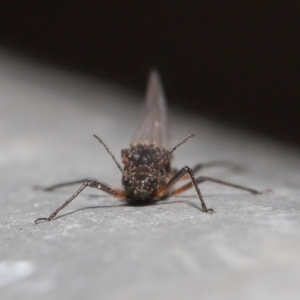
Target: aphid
column 147, row 175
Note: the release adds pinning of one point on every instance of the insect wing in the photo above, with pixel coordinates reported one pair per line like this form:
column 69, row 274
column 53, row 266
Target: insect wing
column 154, row 127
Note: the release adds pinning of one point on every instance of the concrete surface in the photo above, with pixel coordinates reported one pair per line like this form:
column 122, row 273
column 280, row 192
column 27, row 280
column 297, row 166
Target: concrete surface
column 102, row 249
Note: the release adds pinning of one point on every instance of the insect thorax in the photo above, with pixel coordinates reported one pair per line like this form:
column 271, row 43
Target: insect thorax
column 146, row 170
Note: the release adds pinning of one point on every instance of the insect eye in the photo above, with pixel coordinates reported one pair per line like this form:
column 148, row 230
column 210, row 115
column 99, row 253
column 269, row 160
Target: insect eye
column 154, row 183
column 128, row 181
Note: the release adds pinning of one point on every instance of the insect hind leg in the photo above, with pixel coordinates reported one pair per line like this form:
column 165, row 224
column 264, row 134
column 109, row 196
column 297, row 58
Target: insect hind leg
column 203, row 179
column 61, row 185
column 213, row 164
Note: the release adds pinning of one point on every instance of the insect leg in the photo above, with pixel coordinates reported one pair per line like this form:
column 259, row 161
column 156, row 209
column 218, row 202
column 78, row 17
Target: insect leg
column 217, row 163
column 202, row 179
column 90, row 183
column 60, row 185
column 186, row 170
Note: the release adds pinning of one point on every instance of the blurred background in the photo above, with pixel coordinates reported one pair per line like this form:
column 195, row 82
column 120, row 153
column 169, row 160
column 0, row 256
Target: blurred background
column 235, row 61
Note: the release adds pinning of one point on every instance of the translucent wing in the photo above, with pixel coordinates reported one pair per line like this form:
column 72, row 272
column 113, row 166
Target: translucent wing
column 154, row 126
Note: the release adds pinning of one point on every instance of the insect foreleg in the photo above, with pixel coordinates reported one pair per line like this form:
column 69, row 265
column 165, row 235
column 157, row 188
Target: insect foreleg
column 186, row 170
column 91, row 183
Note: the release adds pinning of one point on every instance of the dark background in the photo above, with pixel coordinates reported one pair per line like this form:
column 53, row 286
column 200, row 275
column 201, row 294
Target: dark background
column 237, row 61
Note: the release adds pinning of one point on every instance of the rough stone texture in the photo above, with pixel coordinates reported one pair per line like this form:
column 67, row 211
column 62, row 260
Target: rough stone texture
column 102, row 249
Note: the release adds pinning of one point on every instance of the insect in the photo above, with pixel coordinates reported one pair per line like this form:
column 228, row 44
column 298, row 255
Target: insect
column 147, row 175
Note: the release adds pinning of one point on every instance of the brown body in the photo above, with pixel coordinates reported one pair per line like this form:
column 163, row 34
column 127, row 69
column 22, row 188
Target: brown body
column 146, row 171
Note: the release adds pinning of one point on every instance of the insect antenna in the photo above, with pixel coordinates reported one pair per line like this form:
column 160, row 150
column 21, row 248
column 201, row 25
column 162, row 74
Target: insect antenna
column 182, row 142
column 109, row 152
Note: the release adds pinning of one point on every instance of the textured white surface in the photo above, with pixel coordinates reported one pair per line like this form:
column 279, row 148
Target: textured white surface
column 101, row 249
